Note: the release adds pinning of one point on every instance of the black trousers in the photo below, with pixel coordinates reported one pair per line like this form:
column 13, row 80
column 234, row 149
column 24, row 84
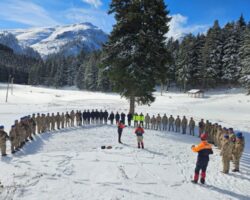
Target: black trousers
column 119, row 136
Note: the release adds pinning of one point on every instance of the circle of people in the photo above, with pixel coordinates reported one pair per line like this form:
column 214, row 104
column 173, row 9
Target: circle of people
column 231, row 144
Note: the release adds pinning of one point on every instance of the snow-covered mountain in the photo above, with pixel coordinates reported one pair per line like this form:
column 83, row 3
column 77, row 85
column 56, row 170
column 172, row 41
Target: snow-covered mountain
column 69, row 39
column 8, row 39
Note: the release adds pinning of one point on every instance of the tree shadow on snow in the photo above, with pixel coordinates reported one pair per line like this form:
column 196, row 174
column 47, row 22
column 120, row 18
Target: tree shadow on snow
column 228, row 193
column 31, row 148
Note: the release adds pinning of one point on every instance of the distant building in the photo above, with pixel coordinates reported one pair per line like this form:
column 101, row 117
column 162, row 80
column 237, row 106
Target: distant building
column 196, row 93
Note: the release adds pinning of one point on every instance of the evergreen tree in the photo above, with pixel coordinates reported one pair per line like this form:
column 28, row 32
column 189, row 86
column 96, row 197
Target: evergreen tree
column 136, row 48
column 91, row 72
column 185, row 61
column 245, row 62
column 212, row 53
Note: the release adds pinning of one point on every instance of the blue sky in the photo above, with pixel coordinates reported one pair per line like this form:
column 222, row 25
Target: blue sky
column 188, row 15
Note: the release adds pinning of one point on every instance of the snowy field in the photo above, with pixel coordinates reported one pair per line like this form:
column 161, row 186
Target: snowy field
column 70, row 164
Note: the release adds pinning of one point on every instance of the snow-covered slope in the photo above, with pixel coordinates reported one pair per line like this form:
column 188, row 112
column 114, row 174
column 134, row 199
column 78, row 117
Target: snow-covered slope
column 69, row 39
column 69, row 164
column 8, row 39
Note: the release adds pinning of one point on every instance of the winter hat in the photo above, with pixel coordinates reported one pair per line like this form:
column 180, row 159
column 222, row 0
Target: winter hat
column 239, row 135
column 226, row 136
column 1, row 127
column 203, row 136
column 13, row 126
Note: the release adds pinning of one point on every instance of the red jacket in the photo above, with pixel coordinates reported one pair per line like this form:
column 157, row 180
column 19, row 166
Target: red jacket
column 139, row 131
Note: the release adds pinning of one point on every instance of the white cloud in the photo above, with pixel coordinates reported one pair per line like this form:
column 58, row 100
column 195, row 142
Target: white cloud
column 25, row 12
column 98, row 18
column 95, row 3
column 179, row 27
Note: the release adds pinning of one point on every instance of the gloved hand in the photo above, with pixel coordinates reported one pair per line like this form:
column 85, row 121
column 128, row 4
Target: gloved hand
column 192, row 146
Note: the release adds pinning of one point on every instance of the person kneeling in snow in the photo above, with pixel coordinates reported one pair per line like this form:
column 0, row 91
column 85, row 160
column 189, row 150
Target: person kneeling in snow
column 204, row 149
column 139, row 131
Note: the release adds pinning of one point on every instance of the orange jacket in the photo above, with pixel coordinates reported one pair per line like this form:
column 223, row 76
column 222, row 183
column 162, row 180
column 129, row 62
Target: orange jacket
column 203, row 145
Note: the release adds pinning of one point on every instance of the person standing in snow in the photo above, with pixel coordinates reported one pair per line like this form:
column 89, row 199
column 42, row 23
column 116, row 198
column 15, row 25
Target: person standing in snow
column 158, row 122
column 147, row 121
column 178, row 124
column 238, row 151
column 171, row 123
column 191, row 126
column 204, row 149
column 117, row 118
column 153, row 122
column 135, row 119
column 123, row 116
column 129, row 118
column 111, row 118
column 184, row 124
column 139, row 131
column 120, row 126
column 58, row 120
column 164, row 122
column 201, row 127
column 3, row 138
column 142, row 118
column 226, row 153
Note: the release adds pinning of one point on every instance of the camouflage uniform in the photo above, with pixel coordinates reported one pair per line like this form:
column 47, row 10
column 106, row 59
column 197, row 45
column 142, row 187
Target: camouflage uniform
column 67, row 119
column 33, row 124
column 43, row 123
column 184, row 125
column 226, row 153
column 38, row 123
column 178, row 124
column 62, row 119
column 58, row 120
column 48, row 122
column 13, row 138
column 171, row 123
column 53, row 121
column 72, row 118
column 3, row 137
column 164, row 122
column 191, row 126
column 153, row 122
column 147, row 121
column 29, row 127
column 158, row 122
column 237, row 152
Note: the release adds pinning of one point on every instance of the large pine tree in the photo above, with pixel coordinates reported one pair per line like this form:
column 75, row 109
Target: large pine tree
column 135, row 52
column 245, row 62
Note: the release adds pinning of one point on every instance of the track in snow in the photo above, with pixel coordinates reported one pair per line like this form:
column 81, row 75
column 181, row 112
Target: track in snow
column 71, row 165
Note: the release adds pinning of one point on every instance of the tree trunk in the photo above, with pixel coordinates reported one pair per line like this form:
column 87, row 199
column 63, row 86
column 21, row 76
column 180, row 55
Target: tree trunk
column 132, row 105
column 162, row 88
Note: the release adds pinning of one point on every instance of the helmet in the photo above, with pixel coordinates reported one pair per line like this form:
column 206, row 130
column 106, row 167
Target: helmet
column 203, row 136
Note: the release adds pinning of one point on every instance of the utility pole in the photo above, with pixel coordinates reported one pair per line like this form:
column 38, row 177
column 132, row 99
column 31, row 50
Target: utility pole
column 8, row 85
column 12, row 82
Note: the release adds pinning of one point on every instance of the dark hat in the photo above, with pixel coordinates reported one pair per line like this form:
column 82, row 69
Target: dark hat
column 1, row 127
column 226, row 136
column 239, row 135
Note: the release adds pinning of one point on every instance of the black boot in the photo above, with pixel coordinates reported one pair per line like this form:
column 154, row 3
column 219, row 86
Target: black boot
column 139, row 146
column 202, row 181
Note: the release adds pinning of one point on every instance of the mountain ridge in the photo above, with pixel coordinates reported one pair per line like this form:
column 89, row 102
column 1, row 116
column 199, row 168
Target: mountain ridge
column 66, row 39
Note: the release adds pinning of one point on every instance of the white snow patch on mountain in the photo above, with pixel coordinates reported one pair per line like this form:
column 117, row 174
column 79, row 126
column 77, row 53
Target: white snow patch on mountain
column 69, row 39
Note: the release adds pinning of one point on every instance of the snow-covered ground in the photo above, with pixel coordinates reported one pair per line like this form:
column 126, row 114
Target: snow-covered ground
column 71, row 165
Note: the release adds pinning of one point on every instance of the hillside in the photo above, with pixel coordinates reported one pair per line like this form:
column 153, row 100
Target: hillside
column 68, row 39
